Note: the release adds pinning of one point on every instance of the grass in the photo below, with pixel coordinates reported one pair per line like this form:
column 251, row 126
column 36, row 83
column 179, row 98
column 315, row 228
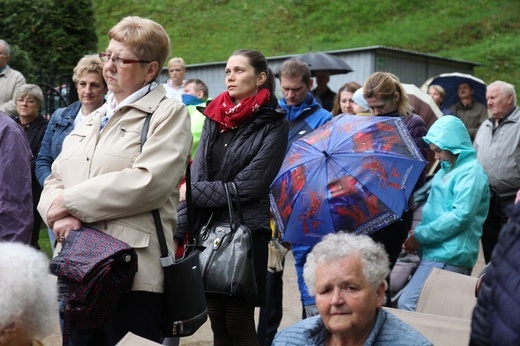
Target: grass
column 44, row 242
column 484, row 31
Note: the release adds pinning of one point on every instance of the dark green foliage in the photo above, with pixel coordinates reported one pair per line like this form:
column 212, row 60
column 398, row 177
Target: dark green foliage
column 47, row 37
column 484, row 31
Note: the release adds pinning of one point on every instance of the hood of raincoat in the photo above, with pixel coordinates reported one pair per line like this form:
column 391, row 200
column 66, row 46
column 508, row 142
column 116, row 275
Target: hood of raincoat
column 450, row 133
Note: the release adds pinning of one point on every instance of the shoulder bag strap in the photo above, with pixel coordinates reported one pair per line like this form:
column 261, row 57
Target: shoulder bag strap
column 166, row 259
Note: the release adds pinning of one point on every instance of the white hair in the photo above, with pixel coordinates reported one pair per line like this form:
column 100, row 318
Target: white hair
column 28, row 292
column 506, row 89
column 7, row 48
column 337, row 246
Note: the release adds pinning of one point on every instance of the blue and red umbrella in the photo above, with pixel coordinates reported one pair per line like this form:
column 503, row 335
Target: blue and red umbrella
column 353, row 174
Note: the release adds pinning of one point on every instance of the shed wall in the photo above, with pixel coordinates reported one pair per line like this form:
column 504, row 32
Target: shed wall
column 410, row 67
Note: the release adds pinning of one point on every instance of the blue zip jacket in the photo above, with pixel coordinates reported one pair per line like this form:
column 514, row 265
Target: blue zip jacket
column 61, row 124
column 319, row 117
column 299, row 129
column 458, row 203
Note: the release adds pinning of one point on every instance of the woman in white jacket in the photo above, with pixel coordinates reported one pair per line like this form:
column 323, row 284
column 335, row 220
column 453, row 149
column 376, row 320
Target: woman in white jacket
column 104, row 180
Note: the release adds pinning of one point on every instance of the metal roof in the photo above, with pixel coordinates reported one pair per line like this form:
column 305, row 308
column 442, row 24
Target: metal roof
column 359, row 49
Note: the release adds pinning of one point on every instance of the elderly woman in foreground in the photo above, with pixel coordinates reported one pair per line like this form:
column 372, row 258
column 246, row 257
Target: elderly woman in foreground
column 347, row 273
column 28, row 306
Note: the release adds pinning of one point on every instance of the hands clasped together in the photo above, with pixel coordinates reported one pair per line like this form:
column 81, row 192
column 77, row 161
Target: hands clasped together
column 60, row 220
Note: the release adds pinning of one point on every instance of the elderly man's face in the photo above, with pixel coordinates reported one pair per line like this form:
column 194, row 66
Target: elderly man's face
column 4, row 58
column 345, row 299
column 499, row 104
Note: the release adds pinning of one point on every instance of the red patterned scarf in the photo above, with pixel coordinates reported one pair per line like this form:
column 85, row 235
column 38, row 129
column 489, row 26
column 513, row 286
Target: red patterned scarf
column 229, row 116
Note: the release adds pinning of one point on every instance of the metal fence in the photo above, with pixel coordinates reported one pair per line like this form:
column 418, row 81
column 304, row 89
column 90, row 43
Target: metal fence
column 58, row 91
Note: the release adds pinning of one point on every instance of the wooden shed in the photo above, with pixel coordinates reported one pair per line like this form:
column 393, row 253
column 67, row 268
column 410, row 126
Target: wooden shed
column 410, row 66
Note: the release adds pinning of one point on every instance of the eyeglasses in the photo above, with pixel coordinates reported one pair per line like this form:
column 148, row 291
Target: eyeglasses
column 28, row 101
column 105, row 57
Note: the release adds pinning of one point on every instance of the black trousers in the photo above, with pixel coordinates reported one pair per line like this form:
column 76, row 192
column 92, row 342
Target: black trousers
column 137, row 312
column 37, row 222
column 271, row 314
column 498, row 216
column 392, row 238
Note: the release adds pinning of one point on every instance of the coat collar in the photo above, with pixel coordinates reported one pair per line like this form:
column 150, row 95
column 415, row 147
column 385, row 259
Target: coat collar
column 147, row 104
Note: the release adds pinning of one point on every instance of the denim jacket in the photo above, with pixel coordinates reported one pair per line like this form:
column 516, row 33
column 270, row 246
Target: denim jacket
column 60, row 125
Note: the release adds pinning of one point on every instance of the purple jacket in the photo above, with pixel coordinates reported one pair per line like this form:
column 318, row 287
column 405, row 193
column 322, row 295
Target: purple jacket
column 417, row 128
column 16, row 210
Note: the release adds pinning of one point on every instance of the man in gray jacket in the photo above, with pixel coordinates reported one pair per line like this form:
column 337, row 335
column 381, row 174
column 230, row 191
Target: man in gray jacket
column 10, row 81
column 498, row 150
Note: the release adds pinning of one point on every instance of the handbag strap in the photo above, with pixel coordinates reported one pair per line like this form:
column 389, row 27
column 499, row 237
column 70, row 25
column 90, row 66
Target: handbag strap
column 229, row 200
column 166, row 259
column 232, row 198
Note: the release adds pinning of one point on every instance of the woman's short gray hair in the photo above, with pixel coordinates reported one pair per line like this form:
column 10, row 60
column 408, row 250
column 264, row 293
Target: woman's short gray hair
column 31, row 90
column 337, row 246
column 28, row 291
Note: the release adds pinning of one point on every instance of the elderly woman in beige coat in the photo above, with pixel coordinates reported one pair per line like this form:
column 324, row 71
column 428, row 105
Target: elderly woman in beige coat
column 104, row 180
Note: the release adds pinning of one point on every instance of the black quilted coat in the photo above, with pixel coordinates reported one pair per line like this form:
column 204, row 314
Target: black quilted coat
column 496, row 317
column 252, row 160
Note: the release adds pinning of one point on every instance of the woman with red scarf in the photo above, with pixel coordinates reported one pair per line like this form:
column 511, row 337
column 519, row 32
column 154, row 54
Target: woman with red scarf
column 243, row 141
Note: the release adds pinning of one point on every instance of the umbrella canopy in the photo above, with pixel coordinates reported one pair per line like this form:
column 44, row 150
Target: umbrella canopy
column 423, row 104
column 354, row 173
column 324, row 61
column 450, row 82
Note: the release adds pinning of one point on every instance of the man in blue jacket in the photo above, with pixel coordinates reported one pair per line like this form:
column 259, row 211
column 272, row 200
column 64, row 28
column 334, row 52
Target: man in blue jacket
column 304, row 114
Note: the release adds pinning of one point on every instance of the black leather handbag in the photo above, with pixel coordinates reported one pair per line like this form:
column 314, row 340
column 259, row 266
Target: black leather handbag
column 227, row 260
column 185, row 309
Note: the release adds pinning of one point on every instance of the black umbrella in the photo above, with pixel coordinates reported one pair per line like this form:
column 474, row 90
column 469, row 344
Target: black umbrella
column 324, row 61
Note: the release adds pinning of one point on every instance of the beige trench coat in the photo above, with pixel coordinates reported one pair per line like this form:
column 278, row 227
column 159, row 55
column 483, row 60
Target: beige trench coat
column 109, row 184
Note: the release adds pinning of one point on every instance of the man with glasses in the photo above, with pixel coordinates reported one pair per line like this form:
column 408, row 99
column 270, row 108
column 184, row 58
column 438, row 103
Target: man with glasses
column 10, row 81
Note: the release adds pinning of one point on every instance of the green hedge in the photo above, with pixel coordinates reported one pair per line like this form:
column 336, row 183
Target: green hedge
column 47, row 36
